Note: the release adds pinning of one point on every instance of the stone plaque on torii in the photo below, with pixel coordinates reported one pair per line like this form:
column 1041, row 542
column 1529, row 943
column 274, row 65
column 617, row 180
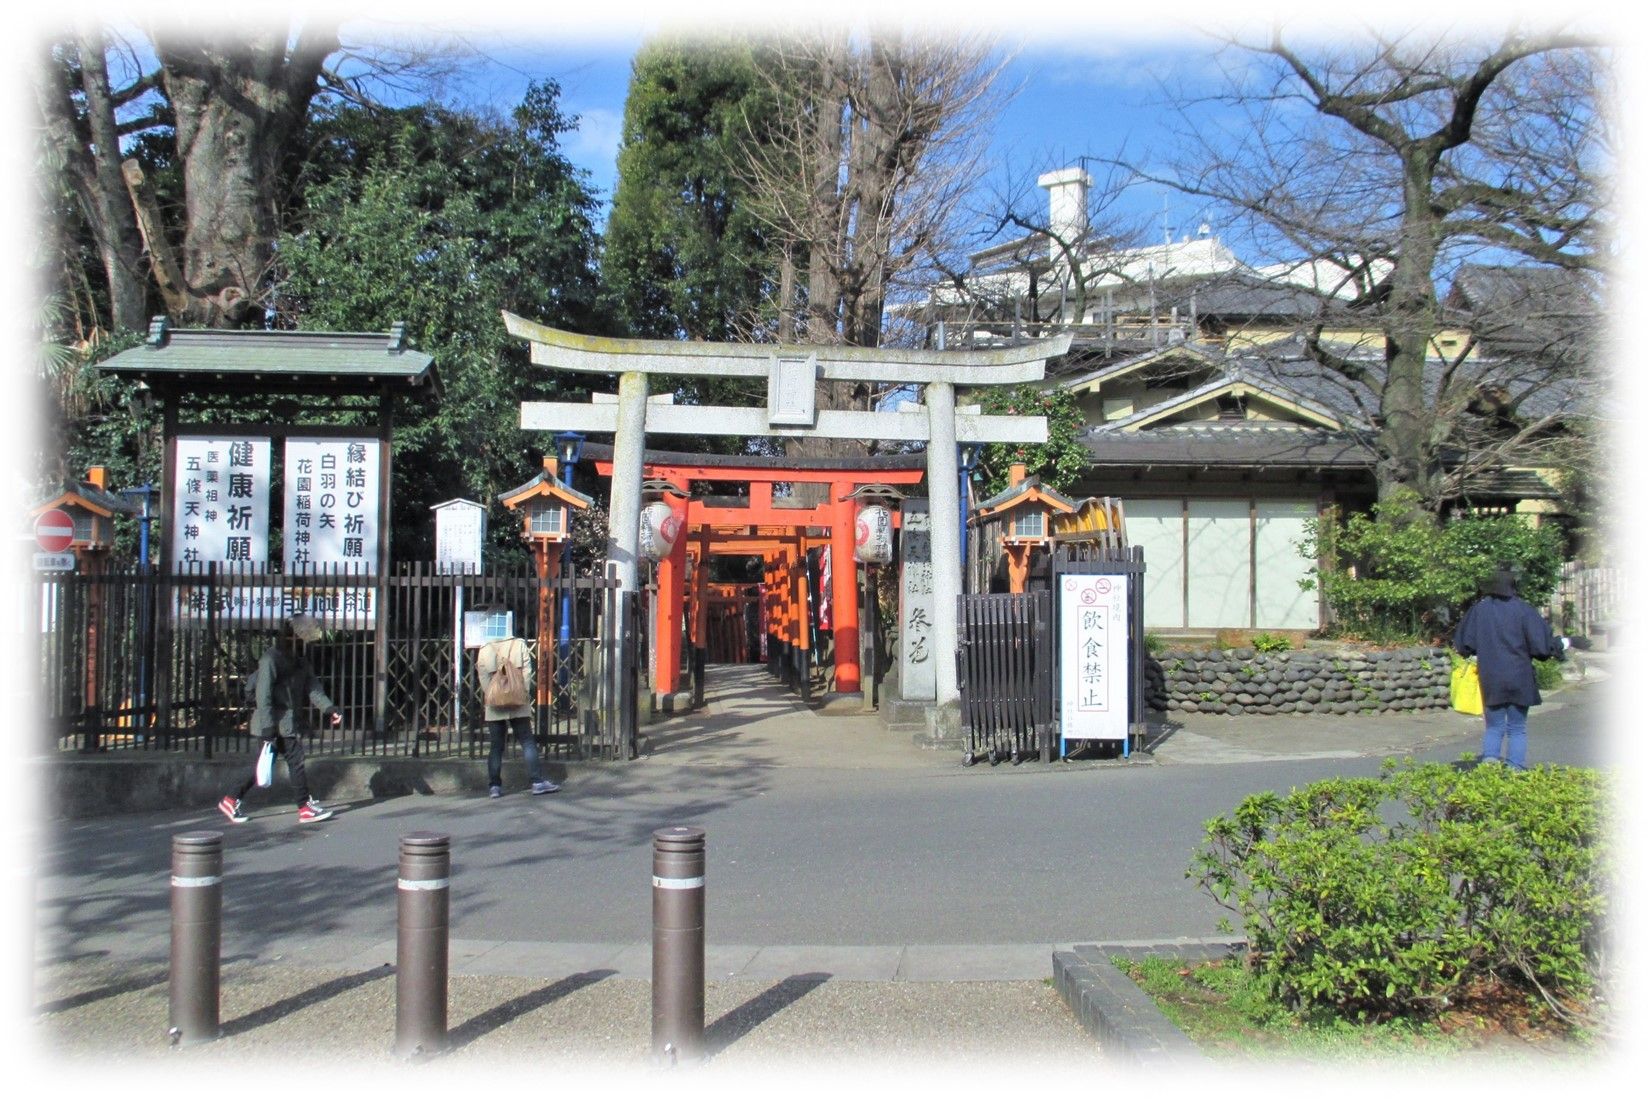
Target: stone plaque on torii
column 791, row 371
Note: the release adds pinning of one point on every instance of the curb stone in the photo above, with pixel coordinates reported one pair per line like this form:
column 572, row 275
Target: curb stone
column 1120, row 1015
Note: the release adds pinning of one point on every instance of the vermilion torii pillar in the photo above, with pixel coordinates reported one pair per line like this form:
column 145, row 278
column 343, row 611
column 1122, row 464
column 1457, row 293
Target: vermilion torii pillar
column 758, row 527
column 791, row 372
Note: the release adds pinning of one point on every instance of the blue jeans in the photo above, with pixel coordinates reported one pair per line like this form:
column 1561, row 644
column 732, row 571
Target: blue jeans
column 1510, row 721
column 523, row 729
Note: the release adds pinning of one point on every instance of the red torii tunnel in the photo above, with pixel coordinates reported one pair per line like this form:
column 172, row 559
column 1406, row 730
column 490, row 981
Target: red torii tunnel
column 762, row 526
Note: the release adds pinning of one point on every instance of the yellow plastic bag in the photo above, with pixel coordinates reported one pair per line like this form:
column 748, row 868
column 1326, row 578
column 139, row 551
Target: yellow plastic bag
column 1464, row 694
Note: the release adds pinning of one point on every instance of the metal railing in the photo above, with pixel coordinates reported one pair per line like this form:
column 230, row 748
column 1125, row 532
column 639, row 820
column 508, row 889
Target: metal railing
column 156, row 661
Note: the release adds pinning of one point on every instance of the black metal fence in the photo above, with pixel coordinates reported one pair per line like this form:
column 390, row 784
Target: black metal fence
column 156, row 661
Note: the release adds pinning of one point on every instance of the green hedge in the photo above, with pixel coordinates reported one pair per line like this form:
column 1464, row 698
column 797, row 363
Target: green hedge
column 1387, row 896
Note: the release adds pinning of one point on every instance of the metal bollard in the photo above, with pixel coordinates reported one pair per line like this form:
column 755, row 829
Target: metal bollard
column 197, row 938
column 678, row 945
column 421, row 891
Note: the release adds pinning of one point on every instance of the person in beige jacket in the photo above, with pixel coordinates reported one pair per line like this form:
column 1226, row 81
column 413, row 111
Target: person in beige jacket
column 519, row 718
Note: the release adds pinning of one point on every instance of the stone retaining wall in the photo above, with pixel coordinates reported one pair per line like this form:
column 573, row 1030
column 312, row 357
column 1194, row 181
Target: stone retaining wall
column 1310, row 681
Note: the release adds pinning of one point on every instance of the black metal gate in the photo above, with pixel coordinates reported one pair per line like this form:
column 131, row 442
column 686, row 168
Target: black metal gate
column 155, row 661
column 1005, row 671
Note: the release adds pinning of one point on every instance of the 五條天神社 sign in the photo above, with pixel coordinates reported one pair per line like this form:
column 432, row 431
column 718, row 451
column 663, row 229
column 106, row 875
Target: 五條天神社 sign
column 220, row 503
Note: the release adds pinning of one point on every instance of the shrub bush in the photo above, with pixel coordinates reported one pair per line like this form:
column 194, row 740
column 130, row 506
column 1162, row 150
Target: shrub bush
column 1391, row 574
column 1271, row 643
column 1387, row 896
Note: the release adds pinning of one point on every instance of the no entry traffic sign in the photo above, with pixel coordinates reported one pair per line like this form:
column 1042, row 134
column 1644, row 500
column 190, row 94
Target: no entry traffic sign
column 54, row 530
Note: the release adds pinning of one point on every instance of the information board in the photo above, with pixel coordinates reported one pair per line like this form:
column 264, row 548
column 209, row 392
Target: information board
column 220, row 502
column 331, row 516
column 1094, row 650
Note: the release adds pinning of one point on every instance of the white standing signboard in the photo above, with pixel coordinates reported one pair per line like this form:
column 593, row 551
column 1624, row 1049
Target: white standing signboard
column 220, row 503
column 1094, row 651
column 331, row 517
column 459, row 527
column 917, row 651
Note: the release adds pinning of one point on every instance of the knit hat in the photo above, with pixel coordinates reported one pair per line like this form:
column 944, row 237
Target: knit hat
column 305, row 628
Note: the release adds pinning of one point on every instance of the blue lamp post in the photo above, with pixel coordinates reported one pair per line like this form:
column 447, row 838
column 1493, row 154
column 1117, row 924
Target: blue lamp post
column 968, row 458
column 569, row 445
column 143, row 492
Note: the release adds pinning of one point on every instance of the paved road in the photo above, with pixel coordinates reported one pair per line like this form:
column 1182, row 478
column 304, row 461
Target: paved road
column 831, row 844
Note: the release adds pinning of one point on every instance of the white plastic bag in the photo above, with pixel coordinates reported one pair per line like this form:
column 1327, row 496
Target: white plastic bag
column 265, row 771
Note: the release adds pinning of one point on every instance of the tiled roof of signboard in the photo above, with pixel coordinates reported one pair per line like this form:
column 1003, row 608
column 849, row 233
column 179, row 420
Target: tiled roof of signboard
column 269, row 358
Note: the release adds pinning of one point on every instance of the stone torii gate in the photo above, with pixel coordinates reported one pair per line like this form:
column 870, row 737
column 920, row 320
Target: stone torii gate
column 791, row 371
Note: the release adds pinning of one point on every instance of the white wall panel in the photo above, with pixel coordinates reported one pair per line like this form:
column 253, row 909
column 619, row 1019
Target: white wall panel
column 1280, row 604
column 1217, row 557
column 1156, row 526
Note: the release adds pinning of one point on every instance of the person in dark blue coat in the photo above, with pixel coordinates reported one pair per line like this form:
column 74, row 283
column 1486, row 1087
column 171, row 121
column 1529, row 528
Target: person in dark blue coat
column 1506, row 635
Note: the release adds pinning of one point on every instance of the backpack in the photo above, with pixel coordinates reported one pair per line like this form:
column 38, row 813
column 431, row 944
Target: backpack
column 506, row 688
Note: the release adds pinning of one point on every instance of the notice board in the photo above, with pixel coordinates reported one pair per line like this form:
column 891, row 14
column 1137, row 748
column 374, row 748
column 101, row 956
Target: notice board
column 1094, row 652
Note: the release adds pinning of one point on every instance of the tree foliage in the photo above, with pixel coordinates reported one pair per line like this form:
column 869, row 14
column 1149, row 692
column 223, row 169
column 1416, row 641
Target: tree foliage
column 441, row 219
column 1391, row 576
column 1061, row 462
column 684, row 255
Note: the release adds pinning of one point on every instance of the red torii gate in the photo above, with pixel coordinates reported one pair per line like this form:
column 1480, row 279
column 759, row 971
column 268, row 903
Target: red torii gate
column 776, row 533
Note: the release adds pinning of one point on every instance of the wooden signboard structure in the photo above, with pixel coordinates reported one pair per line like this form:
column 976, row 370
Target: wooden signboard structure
column 233, row 399
column 790, row 372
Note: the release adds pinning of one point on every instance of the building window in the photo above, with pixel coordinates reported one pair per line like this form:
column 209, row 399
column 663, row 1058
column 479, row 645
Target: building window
column 1030, row 525
column 545, row 519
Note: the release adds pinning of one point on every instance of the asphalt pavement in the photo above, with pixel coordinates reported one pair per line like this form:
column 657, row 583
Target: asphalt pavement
column 851, row 876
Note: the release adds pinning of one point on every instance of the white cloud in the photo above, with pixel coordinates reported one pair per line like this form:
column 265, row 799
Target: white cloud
column 597, row 138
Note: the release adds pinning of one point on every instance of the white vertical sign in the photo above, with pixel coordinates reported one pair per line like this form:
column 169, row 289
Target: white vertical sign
column 1094, row 666
column 916, row 603
column 331, row 516
column 220, row 502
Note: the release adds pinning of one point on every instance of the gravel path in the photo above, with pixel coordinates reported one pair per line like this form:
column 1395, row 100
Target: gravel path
column 93, row 1013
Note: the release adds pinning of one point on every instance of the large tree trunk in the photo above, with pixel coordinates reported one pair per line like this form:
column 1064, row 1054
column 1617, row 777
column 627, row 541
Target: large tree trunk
column 1409, row 432
column 237, row 97
column 91, row 155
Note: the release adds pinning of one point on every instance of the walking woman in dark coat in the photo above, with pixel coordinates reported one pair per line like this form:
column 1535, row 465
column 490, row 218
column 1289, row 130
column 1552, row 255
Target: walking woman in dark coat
column 1506, row 635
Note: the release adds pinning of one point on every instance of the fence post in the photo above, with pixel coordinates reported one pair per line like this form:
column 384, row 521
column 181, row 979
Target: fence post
column 197, row 935
column 421, row 909
column 678, row 945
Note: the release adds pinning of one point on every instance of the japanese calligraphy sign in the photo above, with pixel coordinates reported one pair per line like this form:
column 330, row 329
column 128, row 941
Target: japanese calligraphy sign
column 220, row 502
column 331, row 517
column 1094, row 643
column 916, row 603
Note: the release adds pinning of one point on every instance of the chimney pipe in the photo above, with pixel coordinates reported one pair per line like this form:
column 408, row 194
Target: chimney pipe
column 1068, row 206
column 1016, row 473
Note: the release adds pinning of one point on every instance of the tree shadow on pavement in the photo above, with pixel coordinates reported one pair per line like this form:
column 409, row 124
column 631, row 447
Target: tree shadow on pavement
column 496, row 1017
column 741, row 1021
column 130, row 984
column 298, row 1001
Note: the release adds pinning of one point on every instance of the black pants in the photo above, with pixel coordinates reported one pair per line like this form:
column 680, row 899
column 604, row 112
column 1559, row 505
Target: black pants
column 292, row 749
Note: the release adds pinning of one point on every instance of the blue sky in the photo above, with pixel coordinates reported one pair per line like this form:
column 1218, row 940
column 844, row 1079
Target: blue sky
column 1084, row 100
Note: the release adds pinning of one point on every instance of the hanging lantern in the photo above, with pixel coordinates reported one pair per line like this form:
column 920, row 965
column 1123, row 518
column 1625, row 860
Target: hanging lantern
column 874, row 535
column 660, row 529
